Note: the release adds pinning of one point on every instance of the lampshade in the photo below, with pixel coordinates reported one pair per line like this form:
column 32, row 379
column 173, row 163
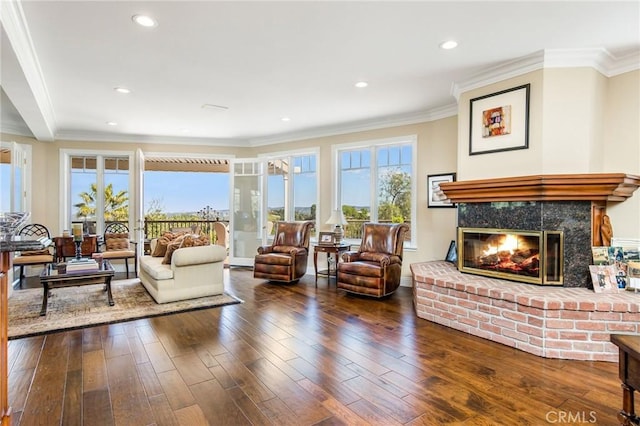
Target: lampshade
column 336, row 218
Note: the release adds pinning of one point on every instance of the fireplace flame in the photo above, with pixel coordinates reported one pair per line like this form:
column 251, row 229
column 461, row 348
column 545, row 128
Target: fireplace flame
column 509, row 243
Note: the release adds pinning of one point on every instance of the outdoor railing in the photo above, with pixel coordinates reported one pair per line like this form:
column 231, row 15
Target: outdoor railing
column 155, row 228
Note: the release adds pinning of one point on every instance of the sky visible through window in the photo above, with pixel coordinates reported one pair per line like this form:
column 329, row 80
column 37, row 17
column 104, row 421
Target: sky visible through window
column 182, row 192
column 5, row 187
column 175, row 192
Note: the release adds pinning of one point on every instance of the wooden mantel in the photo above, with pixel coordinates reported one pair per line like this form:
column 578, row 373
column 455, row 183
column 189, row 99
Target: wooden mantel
column 564, row 187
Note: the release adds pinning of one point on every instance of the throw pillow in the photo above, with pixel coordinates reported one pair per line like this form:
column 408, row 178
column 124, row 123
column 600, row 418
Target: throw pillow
column 195, row 240
column 117, row 241
column 171, row 248
column 160, row 250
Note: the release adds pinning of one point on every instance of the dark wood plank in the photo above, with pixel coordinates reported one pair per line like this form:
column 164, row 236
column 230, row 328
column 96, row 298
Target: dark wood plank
column 129, row 402
column 192, row 369
column 162, row 412
column 176, row 389
column 217, row 405
column 45, row 398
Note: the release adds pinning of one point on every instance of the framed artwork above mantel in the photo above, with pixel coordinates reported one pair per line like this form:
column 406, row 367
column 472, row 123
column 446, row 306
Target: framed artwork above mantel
column 499, row 121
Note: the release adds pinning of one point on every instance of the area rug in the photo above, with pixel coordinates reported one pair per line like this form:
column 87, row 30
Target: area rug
column 76, row 307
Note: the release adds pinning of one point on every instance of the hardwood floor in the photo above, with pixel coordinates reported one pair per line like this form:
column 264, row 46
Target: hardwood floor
column 297, row 355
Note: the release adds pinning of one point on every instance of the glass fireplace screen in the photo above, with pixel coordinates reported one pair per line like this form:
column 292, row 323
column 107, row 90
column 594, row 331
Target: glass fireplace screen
column 534, row 257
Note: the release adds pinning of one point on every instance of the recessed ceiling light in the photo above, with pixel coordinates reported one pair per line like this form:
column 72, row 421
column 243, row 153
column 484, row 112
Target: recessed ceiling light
column 112, row 123
column 362, row 84
column 285, row 119
column 122, row 90
column 449, row 44
column 144, row 21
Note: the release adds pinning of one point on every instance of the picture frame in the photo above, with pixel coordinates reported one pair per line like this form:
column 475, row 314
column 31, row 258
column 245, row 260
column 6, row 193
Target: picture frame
column 603, row 278
column 326, row 238
column 452, row 253
column 499, row 121
column 600, row 255
column 435, row 197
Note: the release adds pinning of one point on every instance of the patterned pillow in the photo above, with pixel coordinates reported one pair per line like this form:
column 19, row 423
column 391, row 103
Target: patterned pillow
column 116, row 242
column 195, row 240
column 172, row 247
column 160, row 250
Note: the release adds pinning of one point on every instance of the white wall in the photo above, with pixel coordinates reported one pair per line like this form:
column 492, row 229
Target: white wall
column 621, row 147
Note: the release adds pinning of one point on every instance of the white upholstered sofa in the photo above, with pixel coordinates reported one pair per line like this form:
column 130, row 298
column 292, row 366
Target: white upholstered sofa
column 194, row 272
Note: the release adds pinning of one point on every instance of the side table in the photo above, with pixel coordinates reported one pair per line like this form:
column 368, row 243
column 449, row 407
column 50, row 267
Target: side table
column 330, row 249
column 629, row 372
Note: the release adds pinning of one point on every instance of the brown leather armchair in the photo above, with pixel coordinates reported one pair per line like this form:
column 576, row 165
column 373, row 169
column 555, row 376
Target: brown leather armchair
column 375, row 269
column 285, row 259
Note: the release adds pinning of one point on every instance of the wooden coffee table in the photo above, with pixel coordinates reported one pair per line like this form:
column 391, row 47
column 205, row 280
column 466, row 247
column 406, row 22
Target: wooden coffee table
column 52, row 277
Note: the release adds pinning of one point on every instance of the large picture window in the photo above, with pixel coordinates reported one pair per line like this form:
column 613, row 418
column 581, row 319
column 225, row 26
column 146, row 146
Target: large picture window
column 375, row 183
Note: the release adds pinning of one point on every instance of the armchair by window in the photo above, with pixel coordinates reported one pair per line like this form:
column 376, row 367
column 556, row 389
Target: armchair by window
column 375, row 269
column 285, row 259
column 34, row 231
column 118, row 246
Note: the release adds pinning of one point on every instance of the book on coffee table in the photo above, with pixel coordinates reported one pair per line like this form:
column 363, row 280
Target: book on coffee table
column 82, row 265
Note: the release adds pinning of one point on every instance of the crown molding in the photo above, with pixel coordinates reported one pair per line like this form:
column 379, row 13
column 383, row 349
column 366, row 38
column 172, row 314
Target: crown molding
column 360, row 126
column 23, row 81
column 15, row 129
column 147, row 139
column 597, row 58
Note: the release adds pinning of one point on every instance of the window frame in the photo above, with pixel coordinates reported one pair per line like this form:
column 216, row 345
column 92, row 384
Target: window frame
column 65, row 183
column 290, row 209
column 373, row 145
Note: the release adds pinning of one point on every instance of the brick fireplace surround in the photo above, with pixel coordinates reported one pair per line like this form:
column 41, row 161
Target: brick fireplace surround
column 551, row 322
column 569, row 322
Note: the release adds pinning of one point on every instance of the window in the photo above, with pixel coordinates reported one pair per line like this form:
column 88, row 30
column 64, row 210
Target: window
column 15, row 171
column 376, row 183
column 98, row 190
column 292, row 183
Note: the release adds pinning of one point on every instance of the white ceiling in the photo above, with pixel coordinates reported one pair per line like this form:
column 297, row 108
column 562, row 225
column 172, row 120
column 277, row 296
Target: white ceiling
column 266, row 60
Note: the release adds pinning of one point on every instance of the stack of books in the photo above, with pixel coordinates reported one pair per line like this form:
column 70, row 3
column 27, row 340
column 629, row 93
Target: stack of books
column 82, row 265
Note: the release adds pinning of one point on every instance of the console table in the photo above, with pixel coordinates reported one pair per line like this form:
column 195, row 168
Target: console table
column 6, row 254
column 65, row 247
column 629, row 375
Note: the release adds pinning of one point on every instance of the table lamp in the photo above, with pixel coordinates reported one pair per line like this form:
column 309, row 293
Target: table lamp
column 337, row 219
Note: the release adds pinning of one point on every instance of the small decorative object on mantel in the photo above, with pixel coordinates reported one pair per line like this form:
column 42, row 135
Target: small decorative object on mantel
column 606, row 231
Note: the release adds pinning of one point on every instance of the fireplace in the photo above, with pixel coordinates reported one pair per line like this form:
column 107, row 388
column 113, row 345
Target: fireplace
column 574, row 204
column 534, row 257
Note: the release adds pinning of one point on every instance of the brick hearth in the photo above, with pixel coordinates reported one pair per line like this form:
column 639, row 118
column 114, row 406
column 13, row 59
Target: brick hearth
column 551, row 322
